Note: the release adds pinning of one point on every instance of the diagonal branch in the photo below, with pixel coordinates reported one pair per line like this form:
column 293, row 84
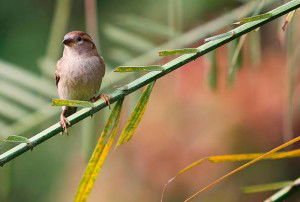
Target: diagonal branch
column 120, row 93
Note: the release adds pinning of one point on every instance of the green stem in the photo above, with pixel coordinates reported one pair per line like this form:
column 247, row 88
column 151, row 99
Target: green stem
column 120, row 93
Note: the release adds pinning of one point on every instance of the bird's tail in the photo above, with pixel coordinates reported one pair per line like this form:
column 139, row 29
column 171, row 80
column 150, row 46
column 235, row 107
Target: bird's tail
column 70, row 110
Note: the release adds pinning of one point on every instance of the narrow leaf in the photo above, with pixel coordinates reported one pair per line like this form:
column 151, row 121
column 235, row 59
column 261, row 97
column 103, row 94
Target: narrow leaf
column 235, row 58
column 245, row 157
column 71, row 103
column 178, row 51
column 136, row 116
column 266, row 187
column 213, row 71
column 15, row 139
column 254, row 42
column 254, row 18
column 220, row 36
column 99, row 155
column 139, row 68
column 241, row 157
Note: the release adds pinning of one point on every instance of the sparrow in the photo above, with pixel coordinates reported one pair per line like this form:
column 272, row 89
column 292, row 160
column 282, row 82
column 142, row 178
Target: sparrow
column 79, row 72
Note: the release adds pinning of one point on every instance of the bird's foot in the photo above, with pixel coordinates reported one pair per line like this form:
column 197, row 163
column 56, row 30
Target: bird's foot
column 30, row 146
column 103, row 96
column 64, row 123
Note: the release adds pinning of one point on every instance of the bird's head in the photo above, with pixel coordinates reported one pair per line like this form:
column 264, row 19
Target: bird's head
column 78, row 41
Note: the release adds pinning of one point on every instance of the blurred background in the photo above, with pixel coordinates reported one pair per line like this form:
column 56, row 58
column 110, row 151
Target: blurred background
column 212, row 106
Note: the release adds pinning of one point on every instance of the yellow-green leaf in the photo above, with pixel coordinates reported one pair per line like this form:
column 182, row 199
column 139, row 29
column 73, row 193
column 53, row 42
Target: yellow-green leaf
column 266, row 187
column 178, row 51
column 15, row 139
column 71, row 103
column 139, row 68
column 213, row 71
column 254, row 18
column 235, row 58
column 99, row 155
column 136, row 116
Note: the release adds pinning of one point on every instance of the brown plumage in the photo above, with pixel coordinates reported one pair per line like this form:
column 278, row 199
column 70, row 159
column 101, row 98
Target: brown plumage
column 79, row 72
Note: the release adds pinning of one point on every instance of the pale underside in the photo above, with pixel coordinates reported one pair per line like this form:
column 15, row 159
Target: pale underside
column 79, row 77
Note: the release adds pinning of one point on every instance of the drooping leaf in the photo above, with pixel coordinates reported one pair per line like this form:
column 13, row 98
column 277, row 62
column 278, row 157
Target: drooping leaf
column 136, row 116
column 265, row 187
column 15, row 139
column 99, row 155
column 254, row 43
column 139, row 68
column 213, row 71
column 254, row 18
column 178, row 51
column 235, row 58
column 220, row 36
column 71, row 103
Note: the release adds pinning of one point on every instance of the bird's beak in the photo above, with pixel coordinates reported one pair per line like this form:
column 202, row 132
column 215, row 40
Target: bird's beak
column 68, row 41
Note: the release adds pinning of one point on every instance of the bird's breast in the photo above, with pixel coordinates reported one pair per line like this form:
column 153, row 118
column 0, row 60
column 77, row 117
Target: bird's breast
column 81, row 78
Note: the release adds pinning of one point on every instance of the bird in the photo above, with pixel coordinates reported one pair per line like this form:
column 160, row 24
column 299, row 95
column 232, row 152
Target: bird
column 78, row 73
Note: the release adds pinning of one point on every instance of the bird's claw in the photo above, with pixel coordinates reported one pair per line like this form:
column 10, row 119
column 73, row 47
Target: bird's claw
column 103, row 96
column 64, row 123
column 30, row 145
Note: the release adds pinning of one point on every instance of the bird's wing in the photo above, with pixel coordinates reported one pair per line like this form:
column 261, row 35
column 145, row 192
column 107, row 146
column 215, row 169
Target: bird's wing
column 57, row 72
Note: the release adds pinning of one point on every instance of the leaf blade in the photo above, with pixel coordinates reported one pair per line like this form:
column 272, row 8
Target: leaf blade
column 266, row 187
column 139, row 68
column 178, row 51
column 213, row 70
column 254, row 18
column 15, row 139
column 71, row 103
column 136, row 116
column 100, row 153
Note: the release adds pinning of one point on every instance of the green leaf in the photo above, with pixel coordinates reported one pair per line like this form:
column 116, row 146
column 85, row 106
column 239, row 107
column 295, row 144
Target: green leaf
column 178, row 51
column 139, row 68
column 99, row 155
column 71, row 103
column 235, row 58
column 254, row 43
column 136, row 116
column 254, row 18
column 213, row 72
column 15, row 139
column 266, row 187
column 285, row 192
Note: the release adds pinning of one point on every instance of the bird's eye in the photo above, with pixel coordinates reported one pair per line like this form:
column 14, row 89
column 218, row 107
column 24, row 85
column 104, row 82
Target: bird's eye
column 79, row 39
